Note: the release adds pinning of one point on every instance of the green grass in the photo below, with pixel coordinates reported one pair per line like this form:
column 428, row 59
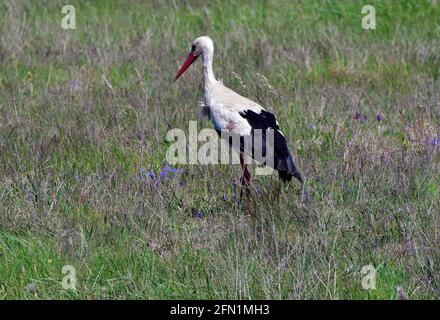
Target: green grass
column 83, row 119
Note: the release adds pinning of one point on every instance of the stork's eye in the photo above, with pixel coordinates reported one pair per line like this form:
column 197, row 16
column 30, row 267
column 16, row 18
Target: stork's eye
column 193, row 48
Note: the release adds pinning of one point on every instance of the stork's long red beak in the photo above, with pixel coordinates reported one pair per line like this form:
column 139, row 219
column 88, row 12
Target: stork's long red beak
column 189, row 60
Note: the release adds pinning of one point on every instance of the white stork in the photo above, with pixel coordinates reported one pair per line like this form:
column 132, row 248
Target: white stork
column 238, row 115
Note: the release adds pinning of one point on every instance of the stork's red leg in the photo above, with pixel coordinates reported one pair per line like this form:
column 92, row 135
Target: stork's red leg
column 245, row 179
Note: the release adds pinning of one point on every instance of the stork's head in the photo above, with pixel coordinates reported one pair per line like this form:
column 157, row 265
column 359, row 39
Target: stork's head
column 200, row 46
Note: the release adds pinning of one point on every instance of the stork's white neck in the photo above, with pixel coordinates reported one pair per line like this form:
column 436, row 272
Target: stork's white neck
column 207, row 74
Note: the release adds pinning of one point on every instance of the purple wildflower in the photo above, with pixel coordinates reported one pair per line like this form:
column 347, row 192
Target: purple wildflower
column 142, row 174
column 163, row 173
column 358, row 116
column 169, row 169
column 434, row 142
column 175, row 170
column 379, row 117
column 197, row 214
column 305, row 195
column 152, row 176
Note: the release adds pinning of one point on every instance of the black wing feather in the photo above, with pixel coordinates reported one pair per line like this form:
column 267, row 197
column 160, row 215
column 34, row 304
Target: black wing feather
column 283, row 161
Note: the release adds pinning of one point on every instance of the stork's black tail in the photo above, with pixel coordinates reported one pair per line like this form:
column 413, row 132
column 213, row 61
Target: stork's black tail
column 287, row 169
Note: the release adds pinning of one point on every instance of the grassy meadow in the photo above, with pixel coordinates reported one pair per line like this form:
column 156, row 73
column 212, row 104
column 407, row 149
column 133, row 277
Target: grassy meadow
column 84, row 115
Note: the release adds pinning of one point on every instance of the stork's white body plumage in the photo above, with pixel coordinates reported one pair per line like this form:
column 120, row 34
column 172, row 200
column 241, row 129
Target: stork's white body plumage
column 236, row 114
column 225, row 106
